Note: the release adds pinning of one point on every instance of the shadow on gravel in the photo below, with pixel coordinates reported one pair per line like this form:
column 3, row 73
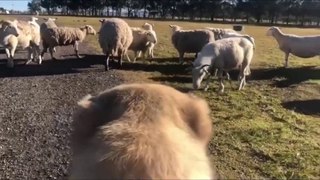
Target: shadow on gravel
column 167, row 66
column 52, row 67
column 307, row 107
column 285, row 77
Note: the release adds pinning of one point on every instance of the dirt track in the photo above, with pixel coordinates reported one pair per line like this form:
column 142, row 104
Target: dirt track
column 37, row 103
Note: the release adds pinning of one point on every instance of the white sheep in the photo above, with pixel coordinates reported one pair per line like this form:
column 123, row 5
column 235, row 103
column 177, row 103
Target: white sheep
column 225, row 55
column 190, row 41
column 28, row 38
column 150, row 27
column 8, row 38
column 45, row 30
column 301, row 46
column 115, row 37
column 142, row 40
column 64, row 36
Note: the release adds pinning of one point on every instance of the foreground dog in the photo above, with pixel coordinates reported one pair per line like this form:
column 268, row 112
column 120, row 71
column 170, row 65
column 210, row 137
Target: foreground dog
column 141, row 131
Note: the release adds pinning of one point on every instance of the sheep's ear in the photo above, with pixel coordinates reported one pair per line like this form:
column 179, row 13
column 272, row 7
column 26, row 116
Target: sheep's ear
column 101, row 20
column 46, row 19
column 85, row 102
column 171, row 26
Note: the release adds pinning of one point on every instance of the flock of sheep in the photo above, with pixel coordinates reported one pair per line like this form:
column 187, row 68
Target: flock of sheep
column 146, row 131
column 217, row 50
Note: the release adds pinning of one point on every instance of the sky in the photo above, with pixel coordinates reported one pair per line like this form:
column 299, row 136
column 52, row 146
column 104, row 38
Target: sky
column 20, row 5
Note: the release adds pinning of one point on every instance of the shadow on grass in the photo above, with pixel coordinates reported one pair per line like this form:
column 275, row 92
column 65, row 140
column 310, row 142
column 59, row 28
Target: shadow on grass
column 285, row 77
column 51, row 67
column 307, row 107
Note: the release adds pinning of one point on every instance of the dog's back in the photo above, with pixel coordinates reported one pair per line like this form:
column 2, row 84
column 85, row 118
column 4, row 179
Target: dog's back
column 141, row 131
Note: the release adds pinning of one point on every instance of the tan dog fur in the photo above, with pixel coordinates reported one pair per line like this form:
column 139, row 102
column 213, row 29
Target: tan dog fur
column 141, row 131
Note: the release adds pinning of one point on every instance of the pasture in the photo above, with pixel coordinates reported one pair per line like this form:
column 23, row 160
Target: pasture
column 268, row 130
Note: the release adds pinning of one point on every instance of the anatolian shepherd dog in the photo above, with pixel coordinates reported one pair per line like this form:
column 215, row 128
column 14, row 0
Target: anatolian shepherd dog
column 141, row 131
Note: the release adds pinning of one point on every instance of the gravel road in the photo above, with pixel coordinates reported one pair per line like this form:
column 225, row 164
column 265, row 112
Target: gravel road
column 37, row 103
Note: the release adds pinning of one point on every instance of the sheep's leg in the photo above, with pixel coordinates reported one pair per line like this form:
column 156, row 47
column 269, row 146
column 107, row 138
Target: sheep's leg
column 76, row 49
column 45, row 49
column 106, row 66
column 128, row 58
column 10, row 55
column 243, row 78
column 51, row 53
column 144, row 57
column 37, row 52
column 136, row 54
column 286, row 58
column 120, row 56
column 220, row 77
column 30, row 55
column 181, row 54
column 207, row 83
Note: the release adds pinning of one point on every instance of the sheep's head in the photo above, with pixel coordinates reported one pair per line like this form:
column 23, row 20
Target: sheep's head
column 102, row 20
column 34, row 19
column 198, row 73
column 152, row 37
column 175, row 28
column 50, row 19
column 272, row 30
column 148, row 26
column 10, row 27
column 90, row 30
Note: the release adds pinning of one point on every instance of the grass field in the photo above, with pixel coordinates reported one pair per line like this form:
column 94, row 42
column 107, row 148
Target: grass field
column 268, row 130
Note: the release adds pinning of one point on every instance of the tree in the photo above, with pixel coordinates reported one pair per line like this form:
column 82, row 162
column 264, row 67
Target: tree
column 49, row 5
column 34, row 6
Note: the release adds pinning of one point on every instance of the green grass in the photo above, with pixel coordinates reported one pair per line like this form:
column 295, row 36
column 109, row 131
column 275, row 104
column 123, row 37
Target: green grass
column 255, row 136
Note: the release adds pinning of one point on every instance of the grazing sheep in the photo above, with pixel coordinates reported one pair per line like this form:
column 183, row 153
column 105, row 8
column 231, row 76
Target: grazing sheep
column 141, row 131
column 115, row 37
column 142, row 40
column 45, row 31
column 20, row 33
column 64, row 36
column 224, row 54
column 301, row 46
column 150, row 27
column 189, row 41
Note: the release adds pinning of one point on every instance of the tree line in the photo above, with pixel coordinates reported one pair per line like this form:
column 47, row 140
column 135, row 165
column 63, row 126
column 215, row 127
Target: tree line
column 298, row 12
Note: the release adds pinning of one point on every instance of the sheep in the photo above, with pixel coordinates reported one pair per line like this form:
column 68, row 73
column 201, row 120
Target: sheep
column 301, row 46
column 189, row 41
column 224, row 54
column 115, row 37
column 141, row 131
column 34, row 23
column 28, row 38
column 8, row 38
column 142, row 40
column 45, row 29
column 64, row 36
column 150, row 27
column 219, row 32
